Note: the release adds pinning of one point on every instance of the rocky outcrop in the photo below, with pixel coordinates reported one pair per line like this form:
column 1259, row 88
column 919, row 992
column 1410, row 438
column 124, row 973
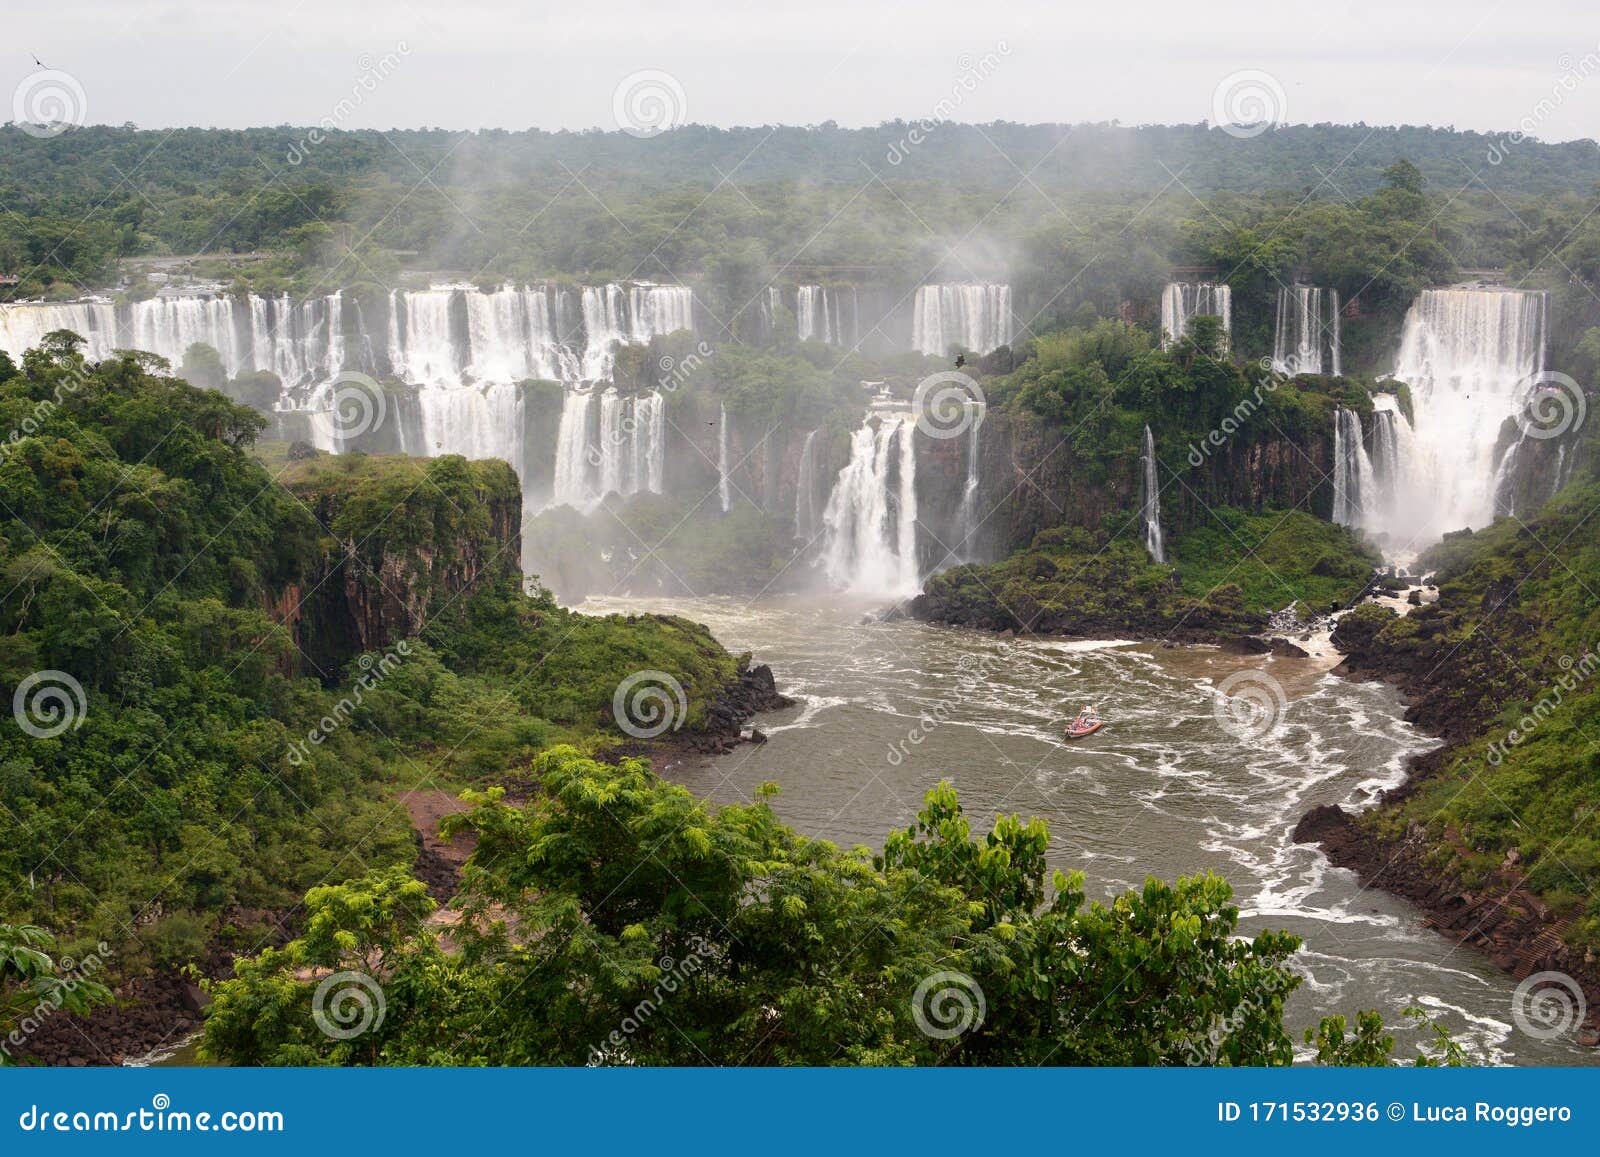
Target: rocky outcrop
column 403, row 540
column 1498, row 916
column 1038, row 481
column 752, row 692
column 1192, row 622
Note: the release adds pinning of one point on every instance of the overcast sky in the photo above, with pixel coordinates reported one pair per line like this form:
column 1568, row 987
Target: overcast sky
column 506, row 64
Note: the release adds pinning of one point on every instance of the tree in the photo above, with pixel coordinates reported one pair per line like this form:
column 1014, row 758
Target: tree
column 33, row 986
column 614, row 918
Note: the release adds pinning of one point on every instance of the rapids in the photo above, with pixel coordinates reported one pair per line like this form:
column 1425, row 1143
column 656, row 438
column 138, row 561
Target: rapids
column 887, row 709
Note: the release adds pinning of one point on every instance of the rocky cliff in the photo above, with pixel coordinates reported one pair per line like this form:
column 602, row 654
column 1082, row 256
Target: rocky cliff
column 402, row 539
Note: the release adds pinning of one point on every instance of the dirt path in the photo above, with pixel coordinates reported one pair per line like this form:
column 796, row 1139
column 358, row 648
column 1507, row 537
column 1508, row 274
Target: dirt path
column 439, row 861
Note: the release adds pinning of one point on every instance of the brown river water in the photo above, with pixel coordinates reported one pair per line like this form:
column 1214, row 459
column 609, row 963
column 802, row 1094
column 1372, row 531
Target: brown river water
column 887, row 709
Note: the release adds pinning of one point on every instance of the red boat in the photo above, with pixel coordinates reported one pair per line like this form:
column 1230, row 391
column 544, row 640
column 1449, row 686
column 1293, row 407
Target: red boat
column 1087, row 723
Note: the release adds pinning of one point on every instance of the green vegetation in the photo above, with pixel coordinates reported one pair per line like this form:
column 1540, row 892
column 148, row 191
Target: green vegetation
column 34, row 986
column 347, row 214
column 616, row 920
column 151, row 562
column 1506, row 662
column 1275, row 559
column 1222, row 579
column 1103, row 384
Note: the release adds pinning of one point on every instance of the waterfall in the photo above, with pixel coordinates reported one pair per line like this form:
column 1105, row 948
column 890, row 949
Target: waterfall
column 571, row 484
column 821, row 314
column 967, row 512
column 304, row 344
column 22, row 327
column 476, row 422
column 448, row 336
column 651, row 411
column 1391, row 459
column 1352, row 470
column 1152, row 500
column 871, row 516
column 512, row 336
column 603, row 326
column 805, row 495
column 972, row 317
column 422, row 349
column 1181, row 301
column 723, row 489
column 768, row 312
column 1466, row 354
column 809, row 304
column 1306, row 340
column 617, row 447
column 615, row 314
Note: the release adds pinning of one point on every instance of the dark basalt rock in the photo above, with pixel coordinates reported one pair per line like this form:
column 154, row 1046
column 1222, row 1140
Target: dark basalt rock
column 754, row 691
column 1247, row 645
column 1500, row 917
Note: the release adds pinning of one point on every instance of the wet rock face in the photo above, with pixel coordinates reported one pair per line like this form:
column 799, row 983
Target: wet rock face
column 754, row 691
column 1497, row 916
column 374, row 585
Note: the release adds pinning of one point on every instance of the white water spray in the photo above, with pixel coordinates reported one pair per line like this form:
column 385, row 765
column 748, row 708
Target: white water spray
column 871, row 516
column 973, row 317
column 1182, row 301
column 1466, row 354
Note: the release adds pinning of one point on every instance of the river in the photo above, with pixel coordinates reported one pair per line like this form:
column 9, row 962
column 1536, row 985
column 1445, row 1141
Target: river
column 887, row 709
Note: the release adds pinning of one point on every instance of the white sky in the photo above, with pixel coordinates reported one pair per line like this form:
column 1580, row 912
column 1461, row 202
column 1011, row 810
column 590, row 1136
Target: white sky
column 497, row 63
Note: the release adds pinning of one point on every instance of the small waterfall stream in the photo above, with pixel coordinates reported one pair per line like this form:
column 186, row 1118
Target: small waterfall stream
column 1352, row 470
column 724, row 487
column 1152, row 500
column 967, row 512
column 805, row 492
